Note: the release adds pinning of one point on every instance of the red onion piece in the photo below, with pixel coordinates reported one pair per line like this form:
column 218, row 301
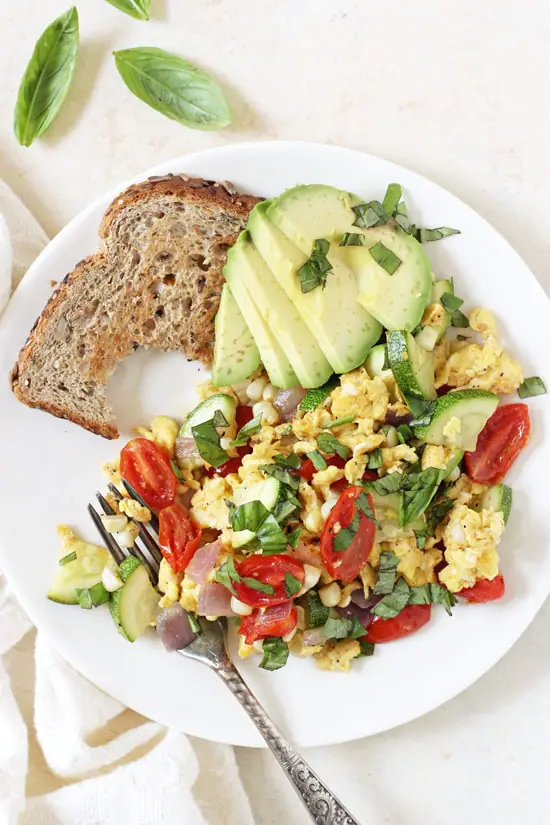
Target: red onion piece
column 353, row 611
column 214, row 600
column 314, row 636
column 173, row 628
column 394, row 420
column 365, row 602
column 288, row 401
column 186, row 448
column 308, row 554
column 202, row 563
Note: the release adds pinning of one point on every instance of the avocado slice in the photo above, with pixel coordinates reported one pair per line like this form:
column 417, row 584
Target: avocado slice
column 273, row 358
column 343, row 329
column 236, row 355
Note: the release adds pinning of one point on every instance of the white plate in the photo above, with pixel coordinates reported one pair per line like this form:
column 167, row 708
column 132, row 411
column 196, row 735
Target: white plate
column 50, row 469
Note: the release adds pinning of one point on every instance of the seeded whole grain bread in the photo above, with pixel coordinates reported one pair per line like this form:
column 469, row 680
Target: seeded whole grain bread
column 154, row 282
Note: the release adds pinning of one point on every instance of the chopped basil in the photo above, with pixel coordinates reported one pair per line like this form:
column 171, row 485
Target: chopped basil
column 402, row 218
column 427, row 235
column 458, row 319
column 345, row 536
column 421, row 409
column 363, row 503
column 392, row 198
column 89, row 597
column 316, row 612
column 354, row 239
column 314, row 397
column 314, row 272
column 375, row 459
column 404, row 433
column 433, row 593
column 338, row 422
column 420, row 536
column 418, row 490
column 370, row 214
column 330, row 445
column 176, row 471
column 387, row 259
column 387, row 484
column 292, row 585
column 284, row 509
column 437, row 513
column 367, row 648
column 67, row 559
column 293, row 538
column 248, row 516
column 275, row 653
column 261, row 587
column 227, row 574
column 391, row 605
column 271, row 537
column 450, row 301
column 532, row 386
column 317, row 460
column 254, row 426
column 340, row 628
column 207, row 440
column 387, row 573
column 286, row 476
column 194, row 622
column 290, row 460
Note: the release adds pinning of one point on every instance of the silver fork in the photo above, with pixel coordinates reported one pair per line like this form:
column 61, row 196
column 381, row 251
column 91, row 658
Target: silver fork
column 210, row 648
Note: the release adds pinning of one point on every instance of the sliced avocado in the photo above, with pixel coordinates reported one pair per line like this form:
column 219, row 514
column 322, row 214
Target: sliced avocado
column 236, row 355
column 472, row 407
column 284, row 237
column 281, row 316
column 274, row 359
column 412, row 366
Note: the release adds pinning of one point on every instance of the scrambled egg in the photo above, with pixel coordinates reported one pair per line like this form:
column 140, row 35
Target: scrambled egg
column 322, row 480
column 163, row 431
column 355, row 468
column 169, row 584
column 360, row 396
column 266, row 446
column 452, row 430
column 338, row 655
column 189, row 595
column 311, row 424
column 437, row 457
column 208, row 507
column 393, row 457
column 470, row 547
column 416, row 566
column 133, row 509
column 297, row 646
column 92, row 557
column 466, row 491
column 311, row 509
column 480, row 366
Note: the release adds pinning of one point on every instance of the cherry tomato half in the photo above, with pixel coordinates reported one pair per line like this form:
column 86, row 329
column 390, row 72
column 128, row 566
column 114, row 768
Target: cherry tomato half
column 147, row 468
column 179, row 537
column 498, row 445
column 273, row 621
column 484, row 590
column 411, row 619
column 342, row 483
column 271, row 571
column 307, row 470
column 346, row 564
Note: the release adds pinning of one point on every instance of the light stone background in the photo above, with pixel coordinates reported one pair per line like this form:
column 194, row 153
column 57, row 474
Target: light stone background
column 454, row 89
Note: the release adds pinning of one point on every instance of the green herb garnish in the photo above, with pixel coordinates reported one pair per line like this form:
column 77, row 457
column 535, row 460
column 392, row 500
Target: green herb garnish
column 284, row 475
column 248, row 516
column 375, row 459
column 67, row 559
column 89, row 597
column 370, row 214
column 227, row 574
column 338, row 422
column 251, row 428
column 261, row 587
column 271, row 536
column 387, row 259
column 290, row 460
column 140, row 9
column 315, row 270
column 451, row 302
column 391, row 605
column 292, row 585
column 404, row 433
column 294, row 537
column 531, row 387
column 207, row 440
column 418, row 490
column 387, row 484
column 275, row 653
column 194, row 622
column 317, row 613
column 392, row 198
column 340, row 628
column 458, row 319
column 387, row 573
column 427, row 235
column 329, row 444
column 367, row 648
column 354, row 239
column 421, row 409
column 437, row 513
column 433, row 593
column 317, row 460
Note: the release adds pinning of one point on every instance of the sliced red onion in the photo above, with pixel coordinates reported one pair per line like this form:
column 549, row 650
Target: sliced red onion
column 202, row 563
column 308, row 554
column 353, row 611
column 314, row 636
column 173, row 628
column 186, row 448
column 394, row 420
column 365, row 602
column 214, row 600
column 288, row 401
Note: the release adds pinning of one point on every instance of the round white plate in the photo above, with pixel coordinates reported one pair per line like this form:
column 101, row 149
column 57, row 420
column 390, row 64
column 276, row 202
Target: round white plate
column 50, row 469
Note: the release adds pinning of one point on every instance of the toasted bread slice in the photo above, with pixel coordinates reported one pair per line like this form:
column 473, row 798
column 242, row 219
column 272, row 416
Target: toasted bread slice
column 155, row 282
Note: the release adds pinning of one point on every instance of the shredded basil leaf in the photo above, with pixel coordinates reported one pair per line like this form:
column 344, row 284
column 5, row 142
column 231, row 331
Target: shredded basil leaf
column 313, row 398
column 285, row 476
column 531, row 387
column 404, row 433
column 421, row 409
column 364, row 505
column 437, row 513
column 387, row 259
column 345, row 536
column 367, row 648
column 418, row 490
column 261, row 587
column 292, row 585
column 330, row 445
column 227, row 574
column 433, row 593
column 294, row 537
column 290, row 460
column 254, row 426
column 89, row 597
column 402, row 218
column 458, row 319
column 340, row 628
column 317, row 460
column 67, row 559
column 207, row 440
column 387, row 574
column 248, row 516
column 392, row 198
column 375, row 459
column 314, row 272
column 420, row 536
column 317, row 614
column 271, row 537
column 219, row 419
column 285, row 508
column 338, row 422
column 176, row 471
column 275, row 653
column 387, row 484
column 194, row 622
column 391, row 605
column 451, row 302
column 427, row 235
column 370, row 214
column 354, row 239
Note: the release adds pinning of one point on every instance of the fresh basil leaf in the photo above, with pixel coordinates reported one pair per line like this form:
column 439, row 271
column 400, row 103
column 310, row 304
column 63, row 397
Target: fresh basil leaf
column 404, row 433
column 375, row 459
column 421, row 409
column 140, row 9
column 451, row 302
column 271, row 537
column 194, row 622
column 418, row 490
column 294, row 537
column 89, row 597
column 420, row 595
column 330, row 445
column 433, row 593
column 387, row 573
column 391, row 605
column 314, row 272
column 173, row 87
column 207, row 440
column 427, row 235
column 531, row 387
column 317, row 460
column 336, row 628
column 251, row 428
column 458, row 319
column 290, row 460
column 292, row 585
column 354, row 239
column 227, row 574
column 345, row 536
column 392, row 198
column 286, row 476
column 402, row 218
column 387, row 259
column 316, row 612
column 67, row 559
column 275, row 653
column 356, row 630
column 367, row 648
column 47, row 78
column 284, row 509
column 219, row 420
column 248, row 516
column 363, row 504
column 177, row 472
column 420, row 536
column 437, row 513
column 370, row 214
column 261, row 587
column 387, row 484
column 313, row 398
column 84, row 598
column 338, row 422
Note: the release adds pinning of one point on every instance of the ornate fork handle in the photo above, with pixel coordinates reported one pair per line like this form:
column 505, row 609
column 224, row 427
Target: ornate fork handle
column 323, row 807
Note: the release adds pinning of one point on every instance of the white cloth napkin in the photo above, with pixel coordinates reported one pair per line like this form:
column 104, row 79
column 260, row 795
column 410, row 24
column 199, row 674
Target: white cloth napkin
column 143, row 776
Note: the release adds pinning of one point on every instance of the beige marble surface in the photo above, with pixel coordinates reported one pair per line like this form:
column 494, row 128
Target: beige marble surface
column 455, row 90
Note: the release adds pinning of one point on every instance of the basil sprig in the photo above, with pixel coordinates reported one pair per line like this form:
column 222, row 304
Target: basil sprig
column 140, row 9
column 47, row 78
column 173, row 87
column 315, row 270
column 375, row 459
column 532, row 386
column 207, row 439
column 329, row 444
column 251, row 428
column 275, row 653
